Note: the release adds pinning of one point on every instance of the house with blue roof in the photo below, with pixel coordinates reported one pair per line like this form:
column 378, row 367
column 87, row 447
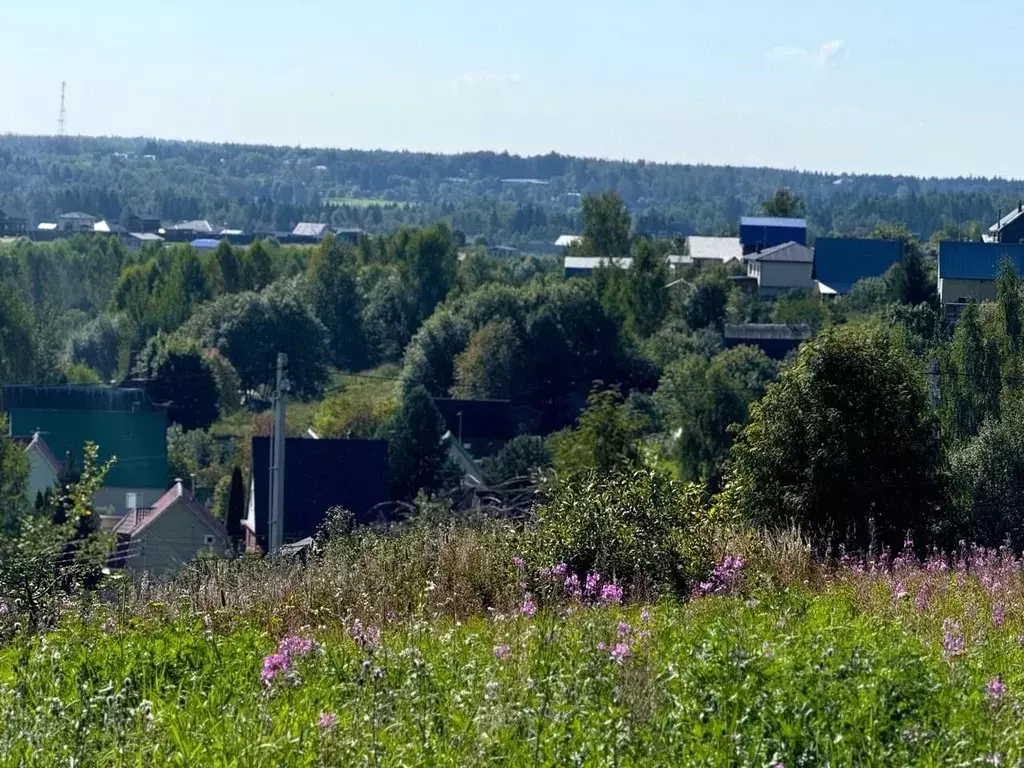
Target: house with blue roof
column 968, row 271
column 841, row 262
column 758, row 233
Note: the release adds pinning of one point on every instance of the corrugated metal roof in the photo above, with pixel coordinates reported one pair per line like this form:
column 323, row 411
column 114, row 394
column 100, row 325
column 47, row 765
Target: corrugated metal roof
column 564, row 241
column 978, row 261
column 593, row 262
column 721, row 248
column 198, row 225
column 841, row 262
column 765, row 331
column 204, row 243
column 147, row 237
column 791, row 252
column 1009, row 218
column 309, row 229
column 772, row 221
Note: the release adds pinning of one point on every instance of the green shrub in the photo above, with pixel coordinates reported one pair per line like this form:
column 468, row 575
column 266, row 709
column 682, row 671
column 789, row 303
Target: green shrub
column 640, row 528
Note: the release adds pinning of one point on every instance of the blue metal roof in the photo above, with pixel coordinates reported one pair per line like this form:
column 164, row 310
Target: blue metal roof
column 978, row 261
column 772, row 221
column 841, row 262
column 205, row 243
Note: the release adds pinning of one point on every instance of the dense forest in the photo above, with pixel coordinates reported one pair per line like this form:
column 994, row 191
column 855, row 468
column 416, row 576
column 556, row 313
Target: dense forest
column 499, row 197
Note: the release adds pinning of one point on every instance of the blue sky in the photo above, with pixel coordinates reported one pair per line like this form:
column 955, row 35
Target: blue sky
column 868, row 86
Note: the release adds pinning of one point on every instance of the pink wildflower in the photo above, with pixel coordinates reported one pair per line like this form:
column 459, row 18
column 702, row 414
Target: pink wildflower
column 611, row 594
column 998, row 615
column 273, row 665
column 624, row 629
column 645, row 615
column 560, row 569
column 293, row 645
column 327, row 720
column 953, row 639
column 502, row 652
column 620, row 652
column 921, row 601
column 572, row 586
column 593, row 579
column 528, row 608
column 367, row 637
column 995, row 689
column 518, row 562
column 899, row 591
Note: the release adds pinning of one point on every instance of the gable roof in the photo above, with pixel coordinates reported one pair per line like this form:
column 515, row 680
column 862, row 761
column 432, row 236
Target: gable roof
column 721, row 248
column 132, row 524
column 791, row 252
column 977, row 261
column 320, row 474
column 196, row 225
column 767, row 331
column 1009, row 218
column 77, row 216
column 309, row 229
column 841, row 262
column 773, row 221
column 564, row 241
column 36, row 441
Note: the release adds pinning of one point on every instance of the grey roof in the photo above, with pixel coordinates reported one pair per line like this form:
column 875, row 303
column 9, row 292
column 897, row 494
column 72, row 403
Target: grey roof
column 309, row 229
column 197, row 225
column 1009, row 218
column 147, row 237
column 772, row 221
column 721, row 248
column 763, row 331
column 78, row 216
column 593, row 262
column 791, row 252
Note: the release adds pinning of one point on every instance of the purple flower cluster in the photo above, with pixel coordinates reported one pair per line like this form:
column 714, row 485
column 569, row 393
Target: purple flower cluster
column 995, row 689
column 899, row 591
column 620, row 653
column 923, row 593
column 519, row 563
column 723, row 579
column 502, row 652
column 528, row 608
column 611, row 594
column 998, row 615
column 280, row 662
column 953, row 643
column 327, row 721
column 367, row 637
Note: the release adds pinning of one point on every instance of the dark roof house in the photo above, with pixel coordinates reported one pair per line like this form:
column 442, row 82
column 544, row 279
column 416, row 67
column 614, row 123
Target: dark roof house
column 122, row 422
column 319, row 474
column 1009, row 228
column 841, row 262
column 11, row 225
column 776, row 341
column 791, row 252
column 977, row 261
column 760, row 232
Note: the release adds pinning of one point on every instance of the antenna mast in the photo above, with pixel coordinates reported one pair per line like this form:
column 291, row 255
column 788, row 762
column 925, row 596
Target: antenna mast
column 60, row 118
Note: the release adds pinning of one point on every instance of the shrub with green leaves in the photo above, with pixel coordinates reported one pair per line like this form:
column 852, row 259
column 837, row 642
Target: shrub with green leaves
column 640, row 528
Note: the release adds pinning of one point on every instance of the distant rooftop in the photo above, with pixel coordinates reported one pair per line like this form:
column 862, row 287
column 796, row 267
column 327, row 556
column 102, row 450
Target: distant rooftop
column 721, row 248
column 772, row 221
column 767, row 331
column 791, row 252
column 564, row 241
column 309, row 229
column 593, row 262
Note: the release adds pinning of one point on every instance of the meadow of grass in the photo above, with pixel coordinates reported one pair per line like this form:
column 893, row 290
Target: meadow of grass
column 442, row 647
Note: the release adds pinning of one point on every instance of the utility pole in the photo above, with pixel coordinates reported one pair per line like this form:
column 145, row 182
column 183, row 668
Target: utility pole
column 276, row 528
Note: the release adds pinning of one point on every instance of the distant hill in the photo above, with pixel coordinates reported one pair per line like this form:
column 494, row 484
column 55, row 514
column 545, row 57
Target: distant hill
column 502, row 197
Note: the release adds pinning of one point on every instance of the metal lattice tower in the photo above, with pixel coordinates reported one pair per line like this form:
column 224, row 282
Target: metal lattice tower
column 61, row 117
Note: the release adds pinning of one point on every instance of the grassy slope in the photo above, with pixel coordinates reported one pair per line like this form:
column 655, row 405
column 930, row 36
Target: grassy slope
column 844, row 676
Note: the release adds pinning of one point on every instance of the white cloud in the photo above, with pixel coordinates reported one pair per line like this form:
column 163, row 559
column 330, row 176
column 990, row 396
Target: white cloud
column 487, row 78
column 825, row 57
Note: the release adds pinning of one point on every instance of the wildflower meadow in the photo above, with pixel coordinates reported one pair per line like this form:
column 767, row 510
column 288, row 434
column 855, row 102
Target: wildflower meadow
column 774, row 660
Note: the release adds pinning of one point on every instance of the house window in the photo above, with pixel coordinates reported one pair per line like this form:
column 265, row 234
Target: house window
column 208, row 539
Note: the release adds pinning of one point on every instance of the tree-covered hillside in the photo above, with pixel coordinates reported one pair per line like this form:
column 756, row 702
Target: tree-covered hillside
column 501, row 197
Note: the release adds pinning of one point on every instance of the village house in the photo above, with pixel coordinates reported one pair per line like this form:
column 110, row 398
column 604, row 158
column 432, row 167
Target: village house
column 171, row 533
column 758, row 233
column 123, row 423
column 968, row 271
column 841, row 262
column 781, row 268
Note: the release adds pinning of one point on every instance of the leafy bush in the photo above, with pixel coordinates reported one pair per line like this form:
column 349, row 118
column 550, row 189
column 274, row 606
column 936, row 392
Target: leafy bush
column 845, row 445
column 641, row 528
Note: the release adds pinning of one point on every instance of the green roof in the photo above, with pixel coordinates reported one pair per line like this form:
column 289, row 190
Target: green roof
column 138, row 439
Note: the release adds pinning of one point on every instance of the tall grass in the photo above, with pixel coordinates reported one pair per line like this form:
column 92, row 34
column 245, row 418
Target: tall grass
column 438, row 646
